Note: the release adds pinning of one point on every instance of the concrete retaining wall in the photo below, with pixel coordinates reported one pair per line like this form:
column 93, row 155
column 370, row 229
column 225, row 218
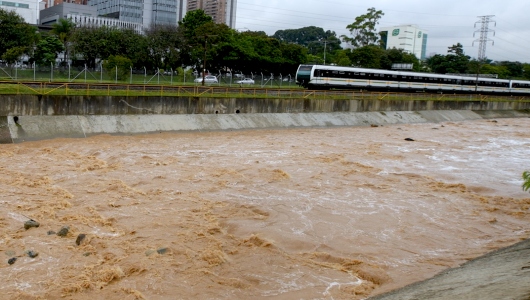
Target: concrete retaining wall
column 26, row 128
column 28, row 117
column 23, row 105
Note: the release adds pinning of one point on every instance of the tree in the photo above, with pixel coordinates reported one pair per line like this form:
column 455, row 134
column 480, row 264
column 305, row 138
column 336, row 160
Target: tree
column 94, row 44
column 368, row 56
column 118, row 65
column 454, row 62
column 14, row 32
column 47, row 50
column 63, row 30
column 341, row 58
column 526, row 71
column 457, row 49
column 399, row 56
column 193, row 41
column 12, row 55
column 193, row 20
column 164, row 44
column 315, row 39
column 363, row 29
column 514, row 69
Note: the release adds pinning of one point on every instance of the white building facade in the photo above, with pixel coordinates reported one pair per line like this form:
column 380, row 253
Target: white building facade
column 410, row 38
column 27, row 9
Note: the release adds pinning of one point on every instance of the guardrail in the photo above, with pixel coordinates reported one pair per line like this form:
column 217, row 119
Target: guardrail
column 106, row 89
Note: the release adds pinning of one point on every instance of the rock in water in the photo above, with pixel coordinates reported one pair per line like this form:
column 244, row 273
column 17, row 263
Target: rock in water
column 64, row 231
column 80, row 239
column 32, row 253
column 12, row 260
column 31, row 223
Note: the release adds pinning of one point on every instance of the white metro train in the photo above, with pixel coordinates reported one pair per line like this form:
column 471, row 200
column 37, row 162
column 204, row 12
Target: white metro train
column 327, row 77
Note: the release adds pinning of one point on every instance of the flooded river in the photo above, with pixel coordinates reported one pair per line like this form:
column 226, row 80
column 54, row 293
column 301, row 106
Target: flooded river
column 335, row 213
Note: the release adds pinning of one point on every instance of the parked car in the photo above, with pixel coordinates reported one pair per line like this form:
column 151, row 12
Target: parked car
column 207, row 79
column 245, row 81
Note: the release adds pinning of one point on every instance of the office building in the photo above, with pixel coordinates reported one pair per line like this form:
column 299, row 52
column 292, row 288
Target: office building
column 145, row 12
column 27, row 9
column 407, row 37
column 221, row 11
column 83, row 15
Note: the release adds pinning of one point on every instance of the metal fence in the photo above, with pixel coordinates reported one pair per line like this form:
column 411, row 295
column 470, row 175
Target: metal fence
column 216, row 91
column 55, row 73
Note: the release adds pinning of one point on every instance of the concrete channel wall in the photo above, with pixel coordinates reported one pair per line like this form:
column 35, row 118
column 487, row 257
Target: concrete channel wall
column 25, row 118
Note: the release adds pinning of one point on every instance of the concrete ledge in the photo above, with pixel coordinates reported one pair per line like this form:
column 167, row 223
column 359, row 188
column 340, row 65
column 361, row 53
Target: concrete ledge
column 38, row 127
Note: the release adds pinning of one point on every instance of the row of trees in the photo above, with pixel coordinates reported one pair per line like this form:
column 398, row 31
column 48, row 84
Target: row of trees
column 198, row 40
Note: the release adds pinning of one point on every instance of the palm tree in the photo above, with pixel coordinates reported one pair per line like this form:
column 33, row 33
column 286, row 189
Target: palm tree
column 63, row 29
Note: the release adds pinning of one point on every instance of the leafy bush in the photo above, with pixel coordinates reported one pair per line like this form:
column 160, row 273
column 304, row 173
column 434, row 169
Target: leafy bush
column 526, row 183
column 118, row 66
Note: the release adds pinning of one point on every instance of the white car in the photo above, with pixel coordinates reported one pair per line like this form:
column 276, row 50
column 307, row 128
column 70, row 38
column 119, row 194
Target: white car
column 207, row 79
column 245, row 81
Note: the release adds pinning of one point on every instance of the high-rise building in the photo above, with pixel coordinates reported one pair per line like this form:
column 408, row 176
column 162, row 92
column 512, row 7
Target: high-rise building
column 83, row 15
column 145, row 12
column 407, row 37
column 221, row 11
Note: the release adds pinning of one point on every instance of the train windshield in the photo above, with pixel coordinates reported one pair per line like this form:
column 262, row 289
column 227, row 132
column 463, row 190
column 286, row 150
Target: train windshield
column 305, row 68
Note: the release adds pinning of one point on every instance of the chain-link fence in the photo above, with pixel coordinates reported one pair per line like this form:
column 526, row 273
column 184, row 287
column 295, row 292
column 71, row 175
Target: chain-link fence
column 54, row 73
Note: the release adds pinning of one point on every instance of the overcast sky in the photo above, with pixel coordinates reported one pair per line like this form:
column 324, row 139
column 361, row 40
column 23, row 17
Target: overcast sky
column 447, row 21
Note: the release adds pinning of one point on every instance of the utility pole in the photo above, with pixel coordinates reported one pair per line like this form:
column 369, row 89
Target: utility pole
column 204, row 61
column 484, row 30
column 325, row 44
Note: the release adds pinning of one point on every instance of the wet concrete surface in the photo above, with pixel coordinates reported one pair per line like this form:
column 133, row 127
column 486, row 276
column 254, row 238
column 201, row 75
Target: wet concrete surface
column 501, row 274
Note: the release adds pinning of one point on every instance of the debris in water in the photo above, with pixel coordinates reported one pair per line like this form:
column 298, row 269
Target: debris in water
column 50, row 232
column 409, row 139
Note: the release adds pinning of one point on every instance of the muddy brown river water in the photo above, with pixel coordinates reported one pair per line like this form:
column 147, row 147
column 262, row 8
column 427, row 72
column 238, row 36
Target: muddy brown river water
column 335, row 213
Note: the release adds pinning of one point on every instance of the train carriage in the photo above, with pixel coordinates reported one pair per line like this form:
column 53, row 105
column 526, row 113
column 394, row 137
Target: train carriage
column 328, row 77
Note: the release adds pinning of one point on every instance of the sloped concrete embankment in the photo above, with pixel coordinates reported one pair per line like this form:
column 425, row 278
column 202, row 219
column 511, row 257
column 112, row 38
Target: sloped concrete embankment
column 501, row 274
column 26, row 128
